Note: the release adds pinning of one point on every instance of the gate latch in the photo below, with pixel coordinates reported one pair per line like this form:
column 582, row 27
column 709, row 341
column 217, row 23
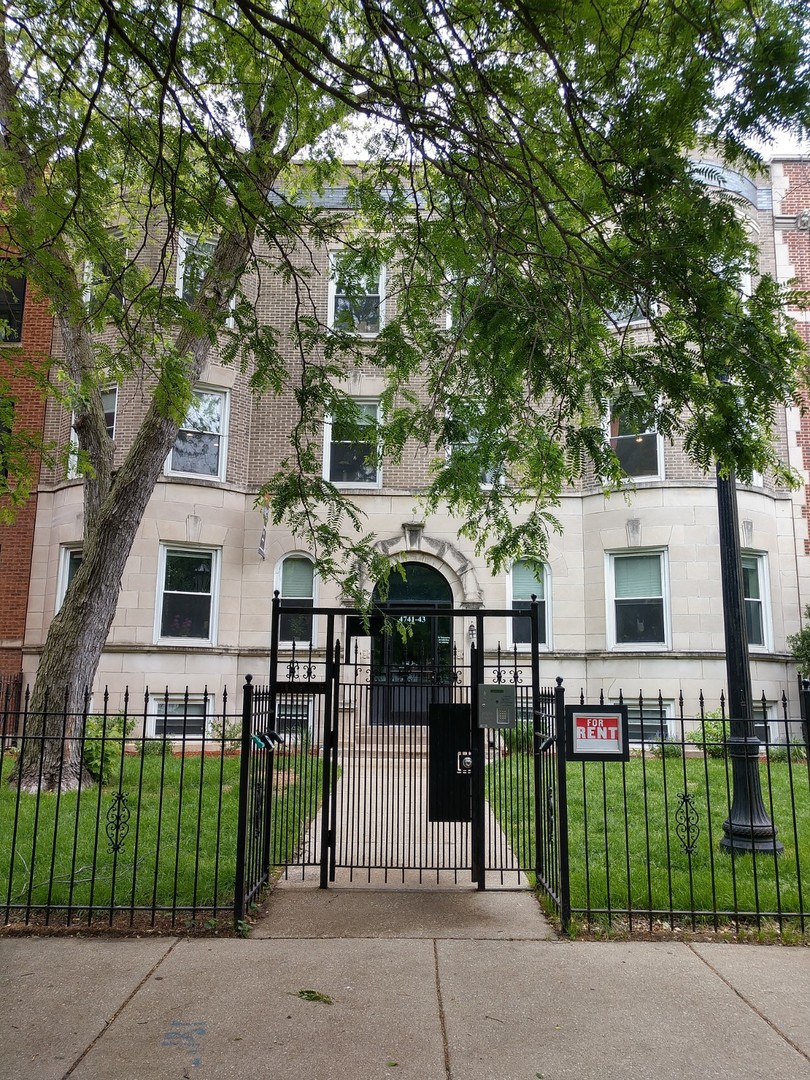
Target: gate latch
column 464, row 762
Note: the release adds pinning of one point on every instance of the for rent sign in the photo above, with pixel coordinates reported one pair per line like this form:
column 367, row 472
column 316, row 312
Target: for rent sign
column 596, row 732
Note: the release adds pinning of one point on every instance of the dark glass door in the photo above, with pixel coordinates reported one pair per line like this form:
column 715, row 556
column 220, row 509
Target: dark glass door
column 412, row 655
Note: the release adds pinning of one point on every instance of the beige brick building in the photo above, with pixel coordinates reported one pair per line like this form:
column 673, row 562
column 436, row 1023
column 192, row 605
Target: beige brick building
column 631, row 590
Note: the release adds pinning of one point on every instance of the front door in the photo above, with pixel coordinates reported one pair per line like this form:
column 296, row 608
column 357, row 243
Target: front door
column 412, row 655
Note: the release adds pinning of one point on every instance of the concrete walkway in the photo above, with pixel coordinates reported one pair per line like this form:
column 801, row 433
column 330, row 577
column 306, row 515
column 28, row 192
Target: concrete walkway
column 359, row 984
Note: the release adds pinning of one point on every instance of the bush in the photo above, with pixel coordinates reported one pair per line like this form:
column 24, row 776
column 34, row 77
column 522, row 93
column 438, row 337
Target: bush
column 798, row 753
column 667, row 750
column 710, row 737
column 103, row 744
column 518, row 740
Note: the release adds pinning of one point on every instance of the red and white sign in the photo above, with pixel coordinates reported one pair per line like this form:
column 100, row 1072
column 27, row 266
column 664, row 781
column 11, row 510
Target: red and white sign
column 600, row 732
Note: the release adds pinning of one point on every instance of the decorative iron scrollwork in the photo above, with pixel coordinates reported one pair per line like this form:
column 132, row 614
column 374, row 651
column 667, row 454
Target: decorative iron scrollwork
column 687, row 822
column 117, row 826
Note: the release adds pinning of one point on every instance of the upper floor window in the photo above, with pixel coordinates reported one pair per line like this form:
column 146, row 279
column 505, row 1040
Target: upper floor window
column 637, row 601
column 188, row 579
column 6, row 423
column 199, row 449
column 356, row 301
column 637, row 446
column 527, row 582
column 350, row 448
column 109, row 404
column 634, row 312
column 754, row 589
column 12, row 306
column 297, row 585
column 193, row 259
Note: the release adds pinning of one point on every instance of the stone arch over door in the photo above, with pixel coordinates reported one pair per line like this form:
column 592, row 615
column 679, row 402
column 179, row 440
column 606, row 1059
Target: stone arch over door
column 414, row 545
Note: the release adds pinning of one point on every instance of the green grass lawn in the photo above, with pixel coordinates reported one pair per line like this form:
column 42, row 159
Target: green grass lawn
column 625, row 818
column 176, row 850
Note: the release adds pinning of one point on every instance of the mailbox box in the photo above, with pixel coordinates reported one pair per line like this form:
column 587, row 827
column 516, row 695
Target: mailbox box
column 497, row 706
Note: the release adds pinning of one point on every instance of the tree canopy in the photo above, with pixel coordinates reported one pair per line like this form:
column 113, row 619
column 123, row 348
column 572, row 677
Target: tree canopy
column 525, row 171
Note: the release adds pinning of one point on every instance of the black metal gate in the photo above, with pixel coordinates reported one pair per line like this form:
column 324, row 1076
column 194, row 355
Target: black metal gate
column 383, row 769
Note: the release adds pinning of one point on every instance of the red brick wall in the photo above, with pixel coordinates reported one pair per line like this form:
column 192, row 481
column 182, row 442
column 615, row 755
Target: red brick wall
column 17, row 540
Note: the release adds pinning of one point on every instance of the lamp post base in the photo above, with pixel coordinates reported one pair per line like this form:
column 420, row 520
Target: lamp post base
column 748, row 827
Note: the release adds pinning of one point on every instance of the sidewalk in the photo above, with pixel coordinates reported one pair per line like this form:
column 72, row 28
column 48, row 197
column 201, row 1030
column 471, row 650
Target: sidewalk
column 423, row 985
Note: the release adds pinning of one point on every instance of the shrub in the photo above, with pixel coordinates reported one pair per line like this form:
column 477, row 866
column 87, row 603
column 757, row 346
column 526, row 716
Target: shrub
column 710, row 737
column 667, row 749
column 103, row 744
column 518, row 740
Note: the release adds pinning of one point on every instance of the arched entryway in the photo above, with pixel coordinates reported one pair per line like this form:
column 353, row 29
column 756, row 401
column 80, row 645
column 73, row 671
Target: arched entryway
column 412, row 655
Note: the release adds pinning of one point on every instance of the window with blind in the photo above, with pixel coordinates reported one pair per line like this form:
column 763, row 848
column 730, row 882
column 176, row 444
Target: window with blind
column 527, row 582
column 297, row 586
column 638, row 599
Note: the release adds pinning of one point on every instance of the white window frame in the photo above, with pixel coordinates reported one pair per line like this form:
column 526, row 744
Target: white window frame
column 157, row 700
column 610, row 583
column 224, row 395
column 668, row 726
column 279, row 577
column 523, row 646
column 368, row 485
column 334, row 257
column 295, row 704
column 72, row 470
column 632, row 315
column 635, row 478
column 213, row 619
column 66, row 552
column 184, row 242
column 763, row 576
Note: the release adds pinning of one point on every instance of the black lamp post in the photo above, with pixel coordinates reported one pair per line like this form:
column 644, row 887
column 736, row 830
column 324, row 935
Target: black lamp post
column 748, row 827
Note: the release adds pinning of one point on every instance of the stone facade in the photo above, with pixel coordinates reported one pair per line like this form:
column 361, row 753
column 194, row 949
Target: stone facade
column 672, row 519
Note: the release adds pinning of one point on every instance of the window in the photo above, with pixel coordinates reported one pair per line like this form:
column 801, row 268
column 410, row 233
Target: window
column 528, row 582
column 754, row 582
column 294, row 718
column 200, row 446
column 177, row 717
column 6, row 423
column 350, row 452
column 70, row 559
column 188, row 586
column 637, row 608
column 356, row 301
column 109, row 402
column 632, row 313
column 650, row 724
column 636, row 446
column 12, row 305
column 193, row 259
column 297, row 584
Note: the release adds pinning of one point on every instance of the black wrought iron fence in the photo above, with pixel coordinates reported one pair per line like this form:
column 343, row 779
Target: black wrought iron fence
column 661, row 841
column 158, row 816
